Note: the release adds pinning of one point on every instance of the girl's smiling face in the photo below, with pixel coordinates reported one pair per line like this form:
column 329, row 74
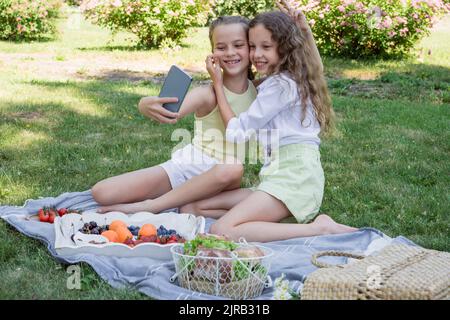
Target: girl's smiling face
column 263, row 50
column 231, row 48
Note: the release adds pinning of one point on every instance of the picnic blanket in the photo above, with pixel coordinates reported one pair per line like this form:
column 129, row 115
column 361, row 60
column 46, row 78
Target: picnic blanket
column 291, row 257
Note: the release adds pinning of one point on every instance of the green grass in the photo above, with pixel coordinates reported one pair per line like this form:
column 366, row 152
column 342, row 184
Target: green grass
column 61, row 131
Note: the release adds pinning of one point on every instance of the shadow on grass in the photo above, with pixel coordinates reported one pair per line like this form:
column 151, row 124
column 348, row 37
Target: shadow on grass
column 153, row 78
column 415, row 82
column 116, row 48
column 88, row 146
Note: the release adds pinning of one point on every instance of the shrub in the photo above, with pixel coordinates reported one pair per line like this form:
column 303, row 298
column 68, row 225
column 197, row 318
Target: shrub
column 28, row 19
column 363, row 28
column 246, row 8
column 155, row 22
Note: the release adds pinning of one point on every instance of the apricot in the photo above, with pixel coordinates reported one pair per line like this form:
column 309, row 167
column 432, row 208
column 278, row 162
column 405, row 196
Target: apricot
column 147, row 230
column 111, row 235
column 123, row 234
column 117, row 224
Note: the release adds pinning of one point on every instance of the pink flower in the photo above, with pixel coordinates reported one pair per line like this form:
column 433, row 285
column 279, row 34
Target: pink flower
column 401, row 20
column 344, row 24
column 88, row 5
column 321, row 15
column 359, row 6
column 391, row 34
column 341, row 9
column 387, row 22
column 117, row 3
column 312, row 22
column 403, row 31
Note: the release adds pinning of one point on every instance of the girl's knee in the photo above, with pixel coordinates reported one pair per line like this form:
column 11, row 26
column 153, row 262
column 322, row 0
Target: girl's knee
column 99, row 193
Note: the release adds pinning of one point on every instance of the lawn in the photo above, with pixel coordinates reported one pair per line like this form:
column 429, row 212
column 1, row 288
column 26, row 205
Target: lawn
column 69, row 118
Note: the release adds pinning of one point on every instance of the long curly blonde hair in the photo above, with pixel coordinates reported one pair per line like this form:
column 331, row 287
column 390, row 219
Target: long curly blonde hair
column 297, row 58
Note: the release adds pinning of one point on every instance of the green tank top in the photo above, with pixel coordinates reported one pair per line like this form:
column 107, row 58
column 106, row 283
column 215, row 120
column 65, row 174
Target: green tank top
column 209, row 131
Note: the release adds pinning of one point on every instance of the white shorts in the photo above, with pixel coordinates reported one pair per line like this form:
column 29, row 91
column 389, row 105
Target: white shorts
column 186, row 163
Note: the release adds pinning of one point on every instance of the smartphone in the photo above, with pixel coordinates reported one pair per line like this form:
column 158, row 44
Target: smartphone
column 176, row 84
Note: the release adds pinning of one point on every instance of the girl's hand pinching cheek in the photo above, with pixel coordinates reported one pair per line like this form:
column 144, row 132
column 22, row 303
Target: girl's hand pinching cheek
column 213, row 67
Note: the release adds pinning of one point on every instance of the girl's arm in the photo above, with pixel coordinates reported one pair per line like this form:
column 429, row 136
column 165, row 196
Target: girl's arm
column 304, row 27
column 198, row 99
column 216, row 76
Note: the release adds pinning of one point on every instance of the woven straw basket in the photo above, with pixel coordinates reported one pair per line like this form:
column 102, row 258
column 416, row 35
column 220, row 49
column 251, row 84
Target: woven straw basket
column 397, row 272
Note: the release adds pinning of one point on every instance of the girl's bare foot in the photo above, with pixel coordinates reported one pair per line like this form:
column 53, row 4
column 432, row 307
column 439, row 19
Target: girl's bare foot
column 329, row 226
column 126, row 207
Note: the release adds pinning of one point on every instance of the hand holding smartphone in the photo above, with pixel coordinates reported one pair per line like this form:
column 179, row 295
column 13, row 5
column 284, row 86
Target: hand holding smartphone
column 176, row 85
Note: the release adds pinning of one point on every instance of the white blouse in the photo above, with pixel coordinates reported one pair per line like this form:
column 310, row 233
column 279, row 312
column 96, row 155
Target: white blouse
column 275, row 116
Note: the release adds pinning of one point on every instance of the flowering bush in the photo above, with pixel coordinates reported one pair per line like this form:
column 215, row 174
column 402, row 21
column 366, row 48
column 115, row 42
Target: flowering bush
column 361, row 28
column 156, row 22
column 28, row 19
column 246, row 8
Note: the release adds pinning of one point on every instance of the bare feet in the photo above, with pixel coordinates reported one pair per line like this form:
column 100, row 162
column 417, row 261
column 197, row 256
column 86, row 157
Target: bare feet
column 329, row 226
column 127, row 207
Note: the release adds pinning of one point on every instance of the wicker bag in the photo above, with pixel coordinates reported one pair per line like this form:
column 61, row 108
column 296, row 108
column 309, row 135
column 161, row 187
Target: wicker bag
column 396, row 272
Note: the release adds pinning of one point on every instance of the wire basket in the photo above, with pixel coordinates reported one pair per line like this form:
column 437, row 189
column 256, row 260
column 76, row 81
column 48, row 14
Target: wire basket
column 228, row 276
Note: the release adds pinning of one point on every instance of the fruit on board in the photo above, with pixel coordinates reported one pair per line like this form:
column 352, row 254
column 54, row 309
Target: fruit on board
column 48, row 214
column 117, row 224
column 147, row 230
column 43, row 215
column 62, row 211
column 111, row 235
column 52, row 213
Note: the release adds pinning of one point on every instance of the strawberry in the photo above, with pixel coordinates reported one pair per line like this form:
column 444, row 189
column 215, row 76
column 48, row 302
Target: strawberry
column 129, row 242
column 62, row 211
column 43, row 215
column 163, row 240
column 51, row 216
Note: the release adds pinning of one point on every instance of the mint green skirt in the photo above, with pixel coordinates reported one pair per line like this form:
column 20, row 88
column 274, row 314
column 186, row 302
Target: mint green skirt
column 295, row 177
